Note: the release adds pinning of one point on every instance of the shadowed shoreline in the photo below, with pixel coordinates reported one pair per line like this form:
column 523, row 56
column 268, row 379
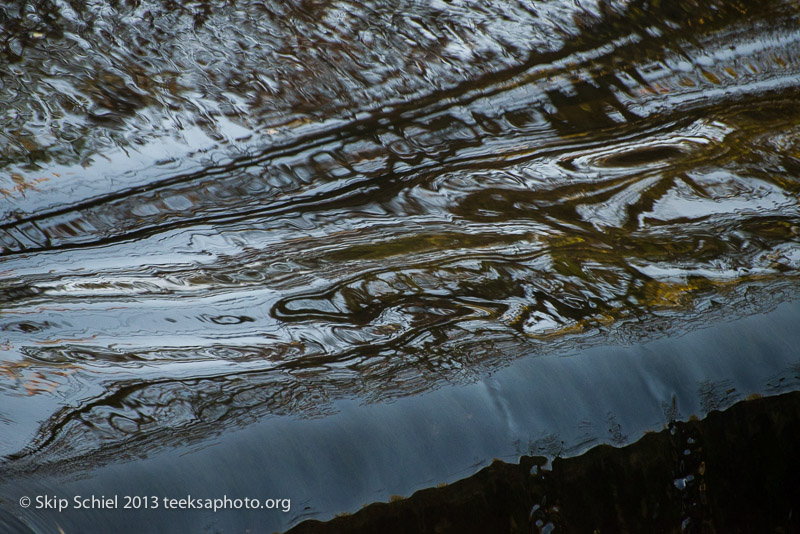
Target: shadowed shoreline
column 734, row 471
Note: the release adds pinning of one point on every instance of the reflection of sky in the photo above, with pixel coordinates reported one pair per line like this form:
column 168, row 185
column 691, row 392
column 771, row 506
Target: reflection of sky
column 536, row 405
column 391, row 216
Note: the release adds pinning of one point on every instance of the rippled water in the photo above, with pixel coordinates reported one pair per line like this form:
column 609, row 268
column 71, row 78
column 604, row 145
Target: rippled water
column 216, row 211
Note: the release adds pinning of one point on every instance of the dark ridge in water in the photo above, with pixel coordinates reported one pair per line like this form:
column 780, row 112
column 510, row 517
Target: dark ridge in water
column 643, row 156
column 216, row 212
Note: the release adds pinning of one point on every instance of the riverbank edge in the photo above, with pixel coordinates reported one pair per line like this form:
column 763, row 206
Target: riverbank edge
column 734, row 471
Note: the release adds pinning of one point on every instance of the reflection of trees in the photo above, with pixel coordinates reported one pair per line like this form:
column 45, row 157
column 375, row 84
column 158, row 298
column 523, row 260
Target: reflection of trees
column 543, row 205
column 407, row 144
column 89, row 76
column 136, row 417
column 85, row 77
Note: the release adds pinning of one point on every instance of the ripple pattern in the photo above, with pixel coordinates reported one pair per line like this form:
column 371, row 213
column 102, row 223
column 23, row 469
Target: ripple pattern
column 217, row 211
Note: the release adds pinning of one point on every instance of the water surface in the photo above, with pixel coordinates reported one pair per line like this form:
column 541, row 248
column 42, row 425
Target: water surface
column 216, row 213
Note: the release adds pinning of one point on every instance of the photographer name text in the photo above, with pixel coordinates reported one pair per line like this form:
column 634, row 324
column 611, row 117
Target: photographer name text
column 152, row 502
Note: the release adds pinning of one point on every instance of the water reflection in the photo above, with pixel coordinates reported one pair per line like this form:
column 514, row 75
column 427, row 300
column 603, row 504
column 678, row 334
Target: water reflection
column 230, row 210
column 728, row 472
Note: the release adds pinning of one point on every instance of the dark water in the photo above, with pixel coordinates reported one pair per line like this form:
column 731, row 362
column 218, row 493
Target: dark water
column 694, row 476
column 225, row 218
